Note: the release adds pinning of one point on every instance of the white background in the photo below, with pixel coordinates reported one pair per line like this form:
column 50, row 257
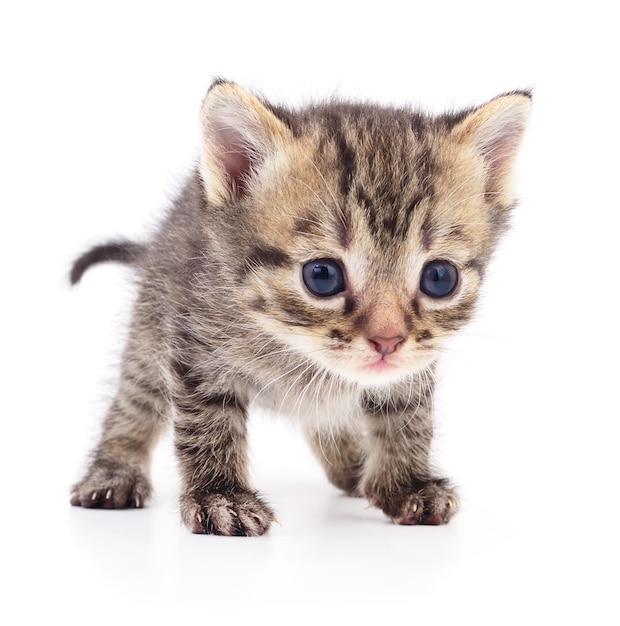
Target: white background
column 98, row 124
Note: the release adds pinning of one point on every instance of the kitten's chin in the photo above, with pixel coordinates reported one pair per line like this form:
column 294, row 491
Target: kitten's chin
column 384, row 372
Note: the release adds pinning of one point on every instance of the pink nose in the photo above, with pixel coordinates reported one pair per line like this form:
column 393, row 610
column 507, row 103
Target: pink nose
column 386, row 345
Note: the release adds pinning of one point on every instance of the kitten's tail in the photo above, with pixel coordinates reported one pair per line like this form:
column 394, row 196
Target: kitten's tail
column 128, row 252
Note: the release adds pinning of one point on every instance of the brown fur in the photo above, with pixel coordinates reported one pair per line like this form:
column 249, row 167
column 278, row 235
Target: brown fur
column 223, row 319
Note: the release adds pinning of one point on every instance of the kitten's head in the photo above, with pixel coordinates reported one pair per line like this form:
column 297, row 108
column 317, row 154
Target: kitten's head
column 360, row 233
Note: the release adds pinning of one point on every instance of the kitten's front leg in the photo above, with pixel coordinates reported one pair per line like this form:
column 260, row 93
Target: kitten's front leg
column 397, row 477
column 210, row 441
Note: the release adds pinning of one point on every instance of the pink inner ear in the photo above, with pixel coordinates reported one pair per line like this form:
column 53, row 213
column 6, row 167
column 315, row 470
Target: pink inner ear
column 235, row 156
column 502, row 148
column 498, row 140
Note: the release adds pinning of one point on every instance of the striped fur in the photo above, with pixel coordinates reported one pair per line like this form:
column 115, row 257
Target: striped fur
column 223, row 320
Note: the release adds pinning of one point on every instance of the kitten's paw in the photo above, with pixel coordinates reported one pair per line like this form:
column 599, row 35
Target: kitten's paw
column 235, row 514
column 111, row 486
column 430, row 503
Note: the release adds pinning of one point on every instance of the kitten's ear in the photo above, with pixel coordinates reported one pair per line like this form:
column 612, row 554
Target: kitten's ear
column 495, row 131
column 238, row 135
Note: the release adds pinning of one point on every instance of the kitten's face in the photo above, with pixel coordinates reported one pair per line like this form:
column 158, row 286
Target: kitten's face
column 369, row 283
column 369, row 233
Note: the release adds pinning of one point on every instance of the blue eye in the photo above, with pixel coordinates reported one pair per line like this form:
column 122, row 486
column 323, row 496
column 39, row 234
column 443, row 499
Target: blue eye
column 323, row 277
column 439, row 279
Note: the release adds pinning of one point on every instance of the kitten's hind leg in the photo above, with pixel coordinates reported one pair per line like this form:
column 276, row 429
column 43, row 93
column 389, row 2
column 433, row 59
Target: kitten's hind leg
column 118, row 473
column 341, row 454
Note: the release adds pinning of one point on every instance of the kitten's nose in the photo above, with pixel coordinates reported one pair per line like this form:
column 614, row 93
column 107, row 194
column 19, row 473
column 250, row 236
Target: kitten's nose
column 386, row 345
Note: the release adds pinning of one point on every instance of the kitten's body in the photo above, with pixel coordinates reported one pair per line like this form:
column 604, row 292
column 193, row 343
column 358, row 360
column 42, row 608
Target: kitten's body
column 300, row 269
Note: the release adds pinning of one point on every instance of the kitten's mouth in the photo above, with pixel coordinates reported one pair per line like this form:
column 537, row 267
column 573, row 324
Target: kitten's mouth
column 390, row 367
column 381, row 365
column 381, row 371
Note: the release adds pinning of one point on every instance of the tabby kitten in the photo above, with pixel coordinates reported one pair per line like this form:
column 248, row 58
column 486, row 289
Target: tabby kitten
column 315, row 263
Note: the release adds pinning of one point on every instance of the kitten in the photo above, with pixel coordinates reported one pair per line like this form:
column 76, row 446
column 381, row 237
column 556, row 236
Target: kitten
column 315, row 263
